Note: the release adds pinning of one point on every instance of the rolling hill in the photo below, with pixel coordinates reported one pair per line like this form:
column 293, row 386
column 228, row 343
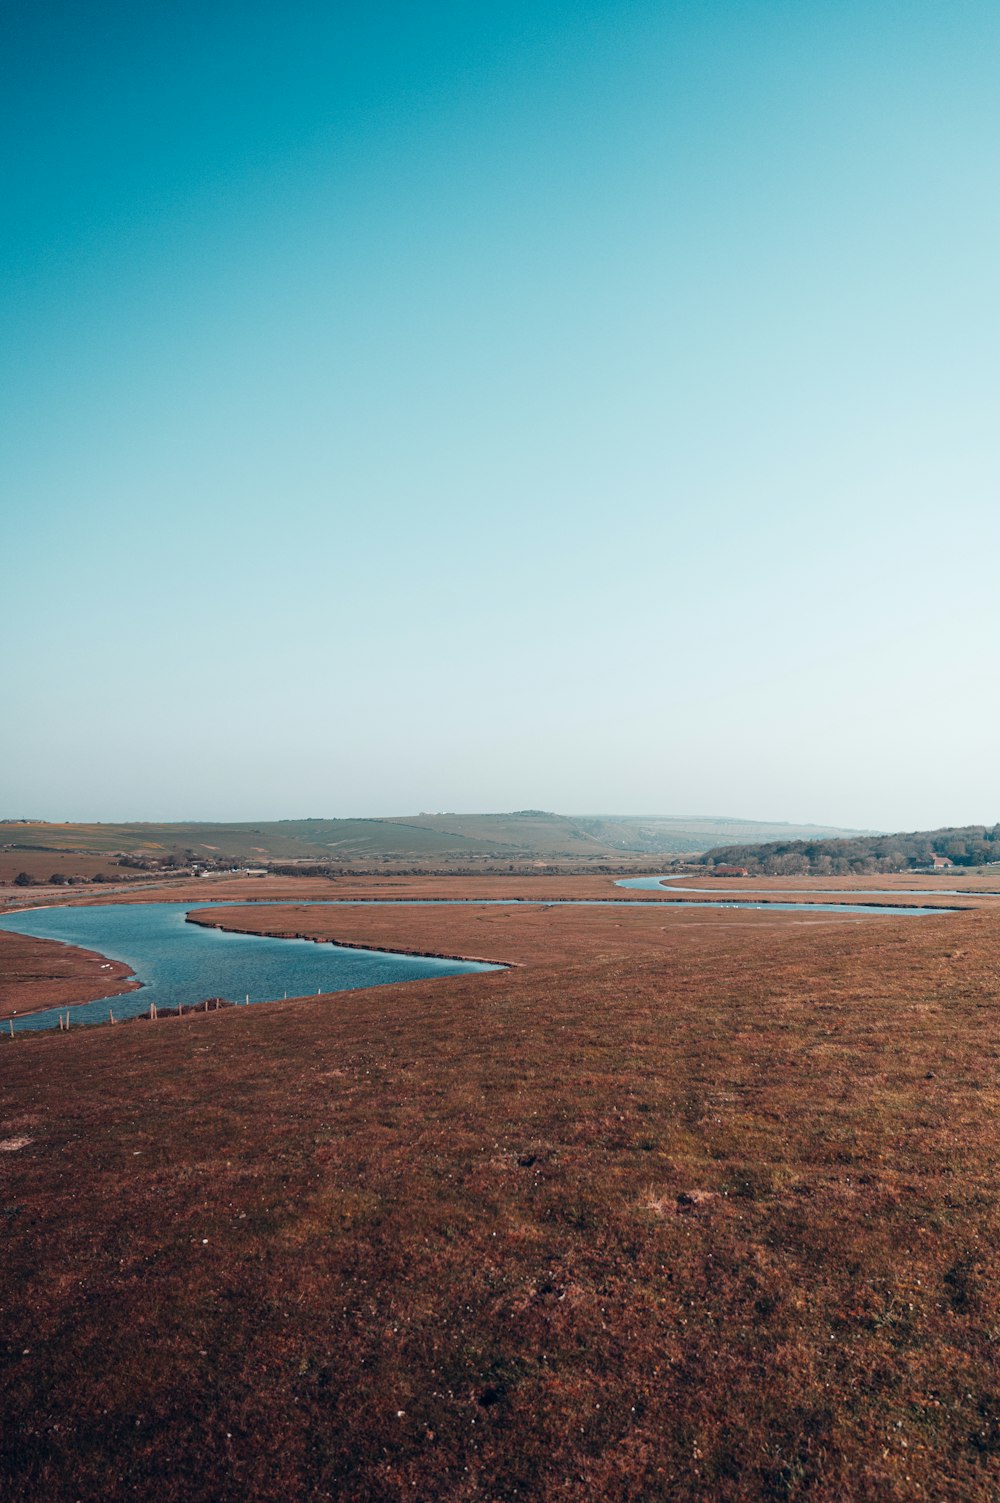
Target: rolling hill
column 529, row 834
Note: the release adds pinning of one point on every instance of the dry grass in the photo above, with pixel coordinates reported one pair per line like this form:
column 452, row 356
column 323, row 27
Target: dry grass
column 40, row 865
column 704, row 1211
column 37, row 973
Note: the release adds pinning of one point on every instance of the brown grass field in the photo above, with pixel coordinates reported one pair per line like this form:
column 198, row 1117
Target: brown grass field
column 39, row 865
column 684, row 1205
column 36, row 974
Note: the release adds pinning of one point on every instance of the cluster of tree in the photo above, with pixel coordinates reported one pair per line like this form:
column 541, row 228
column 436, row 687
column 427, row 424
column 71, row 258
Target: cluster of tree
column 970, row 845
column 58, row 879
column 170, row 862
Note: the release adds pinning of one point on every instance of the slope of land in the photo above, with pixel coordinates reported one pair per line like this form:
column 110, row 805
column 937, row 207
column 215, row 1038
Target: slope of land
column 70, row 866
column 689, row 1205
column 528, row 835
column 658, row 835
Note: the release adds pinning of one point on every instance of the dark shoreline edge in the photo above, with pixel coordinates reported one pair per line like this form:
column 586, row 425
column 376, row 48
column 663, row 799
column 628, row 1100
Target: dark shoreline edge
column 347, row 944
column 125, row 982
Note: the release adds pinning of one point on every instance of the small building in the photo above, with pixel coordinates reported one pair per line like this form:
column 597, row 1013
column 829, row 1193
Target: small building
column 730, row 871
column 941, row 863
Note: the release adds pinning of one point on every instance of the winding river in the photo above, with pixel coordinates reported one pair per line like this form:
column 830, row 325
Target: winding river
column 658, row 884
column 178, row 962
column 182, row 963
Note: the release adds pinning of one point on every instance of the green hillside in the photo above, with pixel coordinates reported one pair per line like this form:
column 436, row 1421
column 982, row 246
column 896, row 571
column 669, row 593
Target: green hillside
column 658, row 835
column 524, row 834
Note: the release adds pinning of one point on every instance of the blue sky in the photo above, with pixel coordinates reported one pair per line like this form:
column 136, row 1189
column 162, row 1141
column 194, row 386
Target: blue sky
column 582, row 406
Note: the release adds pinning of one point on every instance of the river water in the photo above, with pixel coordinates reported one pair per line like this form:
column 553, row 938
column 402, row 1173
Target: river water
column 660, row 884
column 181, row 963
column 178, row 962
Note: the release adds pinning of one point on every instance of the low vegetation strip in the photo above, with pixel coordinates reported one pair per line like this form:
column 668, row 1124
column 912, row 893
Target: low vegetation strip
column 706, row 1219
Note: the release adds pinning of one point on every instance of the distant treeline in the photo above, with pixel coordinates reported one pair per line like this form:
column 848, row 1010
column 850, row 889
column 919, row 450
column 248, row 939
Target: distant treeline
column 969, row 845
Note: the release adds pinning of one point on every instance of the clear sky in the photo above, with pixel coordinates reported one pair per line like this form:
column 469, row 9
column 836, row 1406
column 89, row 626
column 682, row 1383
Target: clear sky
column 589, row 406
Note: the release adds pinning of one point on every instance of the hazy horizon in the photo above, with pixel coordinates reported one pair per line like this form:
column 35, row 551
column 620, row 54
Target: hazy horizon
column 403, row 814
column 679, row 819
column 524, row 405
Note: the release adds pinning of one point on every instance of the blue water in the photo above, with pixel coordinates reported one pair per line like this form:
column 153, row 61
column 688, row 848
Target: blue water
column 179, row 962
column 658, row 884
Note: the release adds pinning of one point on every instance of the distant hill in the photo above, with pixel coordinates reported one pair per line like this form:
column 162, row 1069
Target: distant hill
column 966, row 845
column 442, row 839
column 664, row 836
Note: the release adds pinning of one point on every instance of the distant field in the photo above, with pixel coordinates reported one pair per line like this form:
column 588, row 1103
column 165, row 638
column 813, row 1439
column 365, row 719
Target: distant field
column 448, row 838
column 41, row 864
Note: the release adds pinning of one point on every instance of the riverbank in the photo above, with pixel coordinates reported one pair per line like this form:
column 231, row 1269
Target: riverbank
column 36, row 974
column 539, row 888
column 386, row 920
column 214, row 919
column 523, row 933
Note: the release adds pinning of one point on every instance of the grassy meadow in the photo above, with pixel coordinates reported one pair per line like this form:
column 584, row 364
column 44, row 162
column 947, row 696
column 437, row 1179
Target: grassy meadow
column 688, row 1205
